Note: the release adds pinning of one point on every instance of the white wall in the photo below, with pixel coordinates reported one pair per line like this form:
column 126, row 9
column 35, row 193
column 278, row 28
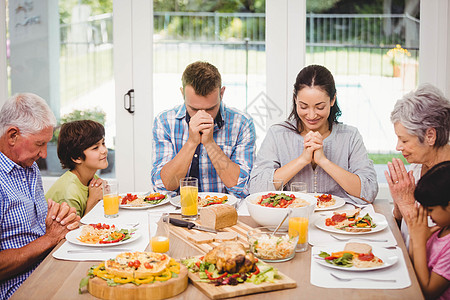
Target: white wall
column 285, row 52
column 434, row 61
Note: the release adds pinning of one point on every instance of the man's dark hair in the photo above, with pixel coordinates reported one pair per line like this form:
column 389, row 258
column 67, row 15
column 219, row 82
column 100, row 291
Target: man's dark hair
column 203, row 77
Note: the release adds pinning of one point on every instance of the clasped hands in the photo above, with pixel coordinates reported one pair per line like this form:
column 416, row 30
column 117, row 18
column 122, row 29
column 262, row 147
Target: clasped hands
column 201, row 128
column 61, row 218
column 313, row 148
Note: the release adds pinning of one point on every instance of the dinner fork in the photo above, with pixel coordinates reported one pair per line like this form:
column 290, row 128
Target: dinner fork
column 362, row 278
column 344, row 239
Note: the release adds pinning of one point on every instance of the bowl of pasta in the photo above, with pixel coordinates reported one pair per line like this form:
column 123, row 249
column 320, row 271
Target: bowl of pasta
column 269, row 208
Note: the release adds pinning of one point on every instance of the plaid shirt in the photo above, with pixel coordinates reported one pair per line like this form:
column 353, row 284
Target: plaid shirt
column 236, row 138
column 23, row 209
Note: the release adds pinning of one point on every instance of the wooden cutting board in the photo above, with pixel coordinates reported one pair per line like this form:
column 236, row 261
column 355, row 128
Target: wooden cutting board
column 182, row 232
column 154, row 291
column 246, row 288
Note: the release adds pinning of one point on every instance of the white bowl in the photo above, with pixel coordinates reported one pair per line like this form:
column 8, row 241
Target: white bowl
column 272, row 216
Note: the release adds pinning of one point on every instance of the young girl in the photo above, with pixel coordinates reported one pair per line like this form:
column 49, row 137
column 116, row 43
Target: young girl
column 430, row 253
column 82, row 150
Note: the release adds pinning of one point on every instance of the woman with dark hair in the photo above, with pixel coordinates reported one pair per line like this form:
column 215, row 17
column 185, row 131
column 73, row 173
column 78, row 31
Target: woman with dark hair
column 311, row 146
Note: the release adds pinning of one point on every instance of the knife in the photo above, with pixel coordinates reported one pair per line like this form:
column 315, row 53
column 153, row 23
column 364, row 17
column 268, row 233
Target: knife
column 189, row 225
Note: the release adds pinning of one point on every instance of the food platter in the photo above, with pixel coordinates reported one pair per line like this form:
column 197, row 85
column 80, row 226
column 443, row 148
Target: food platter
column 144, row 205
column 175, row 201
column 378, row 219
column 388, row 256
column 339, row 202
column 72, row 237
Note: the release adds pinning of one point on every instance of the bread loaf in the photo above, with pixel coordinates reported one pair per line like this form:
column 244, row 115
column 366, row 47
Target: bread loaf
column 218, row 216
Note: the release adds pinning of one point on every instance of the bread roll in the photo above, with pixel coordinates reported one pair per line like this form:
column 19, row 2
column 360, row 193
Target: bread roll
column 358, row 248
column 218, row 216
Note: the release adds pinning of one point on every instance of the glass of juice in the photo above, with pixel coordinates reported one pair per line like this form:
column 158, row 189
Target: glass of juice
column 299, row 222
column 189, row 198
column 158, row 228
column 111, row 199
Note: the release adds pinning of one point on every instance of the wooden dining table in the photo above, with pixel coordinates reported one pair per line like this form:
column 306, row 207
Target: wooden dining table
column 59, row 279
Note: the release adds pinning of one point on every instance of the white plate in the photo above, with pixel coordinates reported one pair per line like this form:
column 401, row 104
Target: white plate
column 388, row 256
column 144, row 205
column 378, row 219
column 339, row 202
column 72, row 236
column 175, row 201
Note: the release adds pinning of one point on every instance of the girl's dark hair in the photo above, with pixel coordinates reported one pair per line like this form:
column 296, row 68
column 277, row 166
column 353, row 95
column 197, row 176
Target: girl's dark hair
column 434, row 187
column 320, row 77
column 74, row 138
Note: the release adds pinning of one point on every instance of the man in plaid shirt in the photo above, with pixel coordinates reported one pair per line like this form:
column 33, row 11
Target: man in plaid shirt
column 29, row 225
column 203, row 138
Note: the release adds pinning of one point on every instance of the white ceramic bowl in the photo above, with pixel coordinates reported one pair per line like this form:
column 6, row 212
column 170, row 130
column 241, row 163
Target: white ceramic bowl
column 272, row 216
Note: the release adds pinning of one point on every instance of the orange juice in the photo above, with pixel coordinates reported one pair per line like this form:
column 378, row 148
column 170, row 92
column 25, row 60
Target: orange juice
column 160, row 244
column 189, row 200
column 111, row 204
column 299, row 224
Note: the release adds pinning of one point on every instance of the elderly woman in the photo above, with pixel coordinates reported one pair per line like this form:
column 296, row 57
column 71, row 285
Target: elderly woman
column 422, row 124
column 313, row 147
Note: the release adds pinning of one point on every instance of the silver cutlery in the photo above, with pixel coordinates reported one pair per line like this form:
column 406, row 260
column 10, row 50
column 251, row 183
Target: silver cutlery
column 98, row 250
column 344, row 239
column 362, row 278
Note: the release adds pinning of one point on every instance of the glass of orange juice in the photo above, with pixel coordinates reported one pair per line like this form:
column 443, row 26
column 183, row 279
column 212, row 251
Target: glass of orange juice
column 189, row 198
column 158, row 228
column 111, row 199
column 299, row 222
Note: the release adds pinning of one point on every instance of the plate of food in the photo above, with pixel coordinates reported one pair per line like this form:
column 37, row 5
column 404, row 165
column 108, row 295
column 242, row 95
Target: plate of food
column 139, row 201
column 207, row 199
column 351, row 222
column 102, row 235
column 328, row 201
column 355, row 257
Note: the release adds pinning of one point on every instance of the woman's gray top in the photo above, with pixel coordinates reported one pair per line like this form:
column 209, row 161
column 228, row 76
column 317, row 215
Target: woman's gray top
column 344, row 147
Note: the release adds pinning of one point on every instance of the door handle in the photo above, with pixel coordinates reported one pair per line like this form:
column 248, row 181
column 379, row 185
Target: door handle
column 128, row 101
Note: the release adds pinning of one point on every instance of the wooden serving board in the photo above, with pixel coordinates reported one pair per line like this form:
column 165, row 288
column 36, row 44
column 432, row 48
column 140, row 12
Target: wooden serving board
column 246, row 288
column 154, row 291
column 182, row 232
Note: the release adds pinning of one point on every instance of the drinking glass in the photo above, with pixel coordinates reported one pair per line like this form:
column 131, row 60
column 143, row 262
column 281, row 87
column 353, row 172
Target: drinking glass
column 275, row 185
column 299, row 187
column 111, row 199
column 158, row 228
column 189, row 198
column 299, row 222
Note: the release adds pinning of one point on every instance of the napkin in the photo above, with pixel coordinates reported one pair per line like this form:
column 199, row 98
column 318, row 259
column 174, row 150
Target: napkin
column 320, row 237
column 320, row 275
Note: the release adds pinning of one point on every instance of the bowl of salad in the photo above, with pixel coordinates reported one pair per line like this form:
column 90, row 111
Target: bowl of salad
column 270, row 247
column 269, row 208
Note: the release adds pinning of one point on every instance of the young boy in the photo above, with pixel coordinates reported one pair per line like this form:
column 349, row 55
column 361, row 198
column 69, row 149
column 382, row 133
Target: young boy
column 82, row 150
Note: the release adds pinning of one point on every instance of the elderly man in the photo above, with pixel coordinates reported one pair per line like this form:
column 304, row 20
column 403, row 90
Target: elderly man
column 203, row 138
column 29, row 225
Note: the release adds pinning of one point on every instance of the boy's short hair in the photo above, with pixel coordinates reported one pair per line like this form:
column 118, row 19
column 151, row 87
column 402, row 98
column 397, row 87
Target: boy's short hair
column 202, row 76
column 74, row 138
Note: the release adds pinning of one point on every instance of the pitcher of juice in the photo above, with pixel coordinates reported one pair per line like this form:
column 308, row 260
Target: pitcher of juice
column 189, row 198
column 158, row 228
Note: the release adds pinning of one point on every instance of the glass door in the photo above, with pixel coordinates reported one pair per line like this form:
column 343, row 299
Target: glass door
column 63, row 52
